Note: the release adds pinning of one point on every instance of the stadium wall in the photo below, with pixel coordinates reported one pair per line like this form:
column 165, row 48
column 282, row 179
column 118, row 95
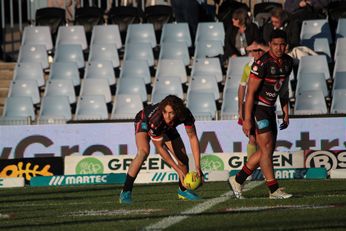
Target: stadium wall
column 118, row 138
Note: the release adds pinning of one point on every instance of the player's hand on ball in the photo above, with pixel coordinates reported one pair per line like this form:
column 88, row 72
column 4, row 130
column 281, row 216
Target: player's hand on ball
column 192, row 180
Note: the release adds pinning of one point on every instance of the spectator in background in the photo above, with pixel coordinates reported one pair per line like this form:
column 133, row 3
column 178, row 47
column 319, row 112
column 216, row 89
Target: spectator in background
column 240, row 34
column 292, row 6
column 280, row 20
column 68, row 5
column 187, row 11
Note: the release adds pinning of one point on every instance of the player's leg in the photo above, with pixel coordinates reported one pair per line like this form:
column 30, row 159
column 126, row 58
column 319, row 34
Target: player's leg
column 251, row 146
column 178, row 151
column 143, row 149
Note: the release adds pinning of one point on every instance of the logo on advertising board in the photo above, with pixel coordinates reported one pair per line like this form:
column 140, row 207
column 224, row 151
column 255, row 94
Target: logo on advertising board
column 89, row 165
column 165, row 177
column 31, row 167
column 212, row 163
column 325, row 159
column 78, row 179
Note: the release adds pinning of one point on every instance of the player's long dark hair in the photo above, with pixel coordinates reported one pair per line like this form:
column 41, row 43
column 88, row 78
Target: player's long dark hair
column 176, row 103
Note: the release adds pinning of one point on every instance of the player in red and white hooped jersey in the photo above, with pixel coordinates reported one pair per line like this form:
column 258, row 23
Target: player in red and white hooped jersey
column 268, row 80
column 158, row 123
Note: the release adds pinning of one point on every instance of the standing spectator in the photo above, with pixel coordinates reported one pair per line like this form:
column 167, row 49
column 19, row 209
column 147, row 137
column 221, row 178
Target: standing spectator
column 268, row 79
column 240, row 34
column 187, row 11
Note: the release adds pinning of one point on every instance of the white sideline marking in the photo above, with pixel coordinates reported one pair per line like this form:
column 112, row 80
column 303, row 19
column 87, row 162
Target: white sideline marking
column 169, row 221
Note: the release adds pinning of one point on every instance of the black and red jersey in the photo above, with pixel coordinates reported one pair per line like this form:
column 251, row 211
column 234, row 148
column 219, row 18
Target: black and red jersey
column 275, row 74
column 151, row 120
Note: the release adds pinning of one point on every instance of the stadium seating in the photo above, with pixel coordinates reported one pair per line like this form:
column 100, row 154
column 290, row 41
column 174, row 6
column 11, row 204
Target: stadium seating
column 175, row 50
column 72, row 35
column 132, row 86
column 141, row 33
column 104, row 52
column 202, row 105
column 207, row 66
column 176, row 32
column 136, row 69
column 18, row 110
column 204, row 83
column 229, row 107
column 314, row 64
column 341, row 28
column 33, row 53
column 30, row 70
column 171, row 67
column 96, row 86
column 338, row 102
column 340, row 49
column 65, row 70
column 310, row 103
column 208, row 49
column 236, row 65
column 69, row 53
column 310, row 82
column 315, row 28
column 321, row 46
column 126, row 106
column 25, row 87
column 166, row 85
column 55, row 109
column 139, row 51
column 339, row 74
column 61, row 87
column 213, row 31
column 37, row 35
column 106, row 34
column 91, row 107
column 100, row 69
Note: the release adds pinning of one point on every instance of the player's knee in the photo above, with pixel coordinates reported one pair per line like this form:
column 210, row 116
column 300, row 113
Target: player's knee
column 143, row 153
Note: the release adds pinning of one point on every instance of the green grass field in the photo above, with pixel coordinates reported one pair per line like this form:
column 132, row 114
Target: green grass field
column 317, row 205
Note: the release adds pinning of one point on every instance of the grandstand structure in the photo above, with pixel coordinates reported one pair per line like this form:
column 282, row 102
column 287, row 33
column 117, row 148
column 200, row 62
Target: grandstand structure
column 108, row 68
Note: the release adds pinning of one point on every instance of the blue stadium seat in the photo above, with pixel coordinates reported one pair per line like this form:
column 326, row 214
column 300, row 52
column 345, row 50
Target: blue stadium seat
column 30, row 70
column 106, row 34
column 341, row 28
column 213, row 31
column 321, row 46
column 55, row 109
column 139, row 51
column 96, row 86
column 339, row 74
column 126, row 106
column 204, row 83
column 171, row 67
column 69, row 53
column 136, row 69
column 33, row 53
column 340, row 48
column 104, row 52
column 236, row 65
column 314, row 64
column 132, row 86
column 18, row 110
column 175, row 50
column 338, row 101
column 65, row 70
column 72, row 35
column 141, row 33
column 208, row 49
column 207, row 66
column 310, row 82
column 310, row 103
column 229, row 107
column 176, row 32
column 25, row 87
column 91, row 107
column 61, row 87
column 202, row 105
column 315, row 28
column 100, row 69
column 37, row 35
column 164, row 86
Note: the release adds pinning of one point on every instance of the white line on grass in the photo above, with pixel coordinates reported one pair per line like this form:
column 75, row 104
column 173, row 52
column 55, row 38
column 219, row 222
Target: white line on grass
column 169, row 221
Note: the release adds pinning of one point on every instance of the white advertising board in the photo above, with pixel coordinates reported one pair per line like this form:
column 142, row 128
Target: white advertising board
column 118, row 138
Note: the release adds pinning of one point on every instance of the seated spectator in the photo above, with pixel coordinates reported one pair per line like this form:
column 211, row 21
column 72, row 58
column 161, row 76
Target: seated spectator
column 280, row 20
column 240, row 34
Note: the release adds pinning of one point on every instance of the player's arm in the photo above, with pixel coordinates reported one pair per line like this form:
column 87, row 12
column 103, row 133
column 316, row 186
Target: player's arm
column 194, row 143
column 253, row 85
column 159, row 145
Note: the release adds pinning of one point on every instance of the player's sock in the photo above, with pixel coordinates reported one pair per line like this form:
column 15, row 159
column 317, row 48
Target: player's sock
column 243, row 174
column 129, row 183
column 250, row 149
column 181, row 186
column 273, row 185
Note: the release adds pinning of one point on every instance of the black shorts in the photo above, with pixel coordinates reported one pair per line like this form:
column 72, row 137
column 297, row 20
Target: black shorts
column 141, row 125
column 265, row 119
